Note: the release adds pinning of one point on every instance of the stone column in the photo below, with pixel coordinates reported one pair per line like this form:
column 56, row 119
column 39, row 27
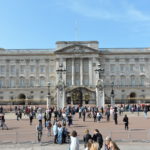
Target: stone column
column 72, row 71
column 90, row 72
column 81, row 71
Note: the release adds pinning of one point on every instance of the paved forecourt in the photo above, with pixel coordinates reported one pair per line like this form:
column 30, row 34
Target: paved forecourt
column 23, row 133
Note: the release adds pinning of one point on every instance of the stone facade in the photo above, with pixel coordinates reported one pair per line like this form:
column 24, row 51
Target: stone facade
column 24, row 74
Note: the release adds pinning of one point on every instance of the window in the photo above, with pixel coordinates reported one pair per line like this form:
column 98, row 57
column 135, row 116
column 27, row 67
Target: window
column 1, row 82
column 142, row 80
column 112, row 68
column 13, row 69
column 42, row 69
column 42, row 81
column 12, row 83
column 2, row 70
column 132, row 80
column 123, row 80
column 22, row 82
column 132, row 67
column 32, row 68
column 142, row 67
column 122, row 68
column 22, row 69
column 32, row 82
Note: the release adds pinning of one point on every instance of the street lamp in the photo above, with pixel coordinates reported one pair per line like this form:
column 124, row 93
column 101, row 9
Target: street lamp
column 100, row 70
column 112, row 94
column 48, row 96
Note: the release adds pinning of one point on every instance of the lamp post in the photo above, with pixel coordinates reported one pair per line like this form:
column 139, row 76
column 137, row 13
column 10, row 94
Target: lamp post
column 100, row 70
column 48, row 96
column 112, row 94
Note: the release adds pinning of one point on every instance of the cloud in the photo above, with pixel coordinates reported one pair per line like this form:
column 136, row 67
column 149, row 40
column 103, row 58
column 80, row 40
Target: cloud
column 108, row 10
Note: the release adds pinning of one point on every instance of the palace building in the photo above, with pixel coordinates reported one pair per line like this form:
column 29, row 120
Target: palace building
column 25, row 73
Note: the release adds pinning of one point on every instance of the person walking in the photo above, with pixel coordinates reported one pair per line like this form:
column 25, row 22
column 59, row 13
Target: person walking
column 84, row 114
column 55, row 132
column 107, row 141
column 116, row 118
column 60, row 133
column 126, row 122
column 31, row 117
column 74, row 141
column 97, row 137
column 86, row 137
column 108, row 114
column 39, row 130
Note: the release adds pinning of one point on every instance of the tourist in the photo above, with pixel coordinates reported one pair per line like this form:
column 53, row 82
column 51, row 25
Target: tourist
column 107, row 141
column 40, row 117
column 74, row 141
column 108, row 114
column 39, row 130
column 2, row 122
column 84, row 114
column 94, row 116
column 99, row 116
column 145, row 111
column 113, row 146
column 69, row 119
column 126, row 122
column 95, row 146
column 115, row 117
column 97, row 137
column 80, row 111
column 64, row 133
column 86, row 137
column 89, row 144
column 31, row 117
column 55, row 132
column 48, row 126
column 60, row 133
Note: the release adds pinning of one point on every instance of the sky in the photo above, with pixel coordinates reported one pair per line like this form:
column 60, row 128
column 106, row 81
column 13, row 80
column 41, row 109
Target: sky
column 41, row 23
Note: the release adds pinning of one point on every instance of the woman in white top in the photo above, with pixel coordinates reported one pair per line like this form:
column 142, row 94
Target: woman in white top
column 74, row 141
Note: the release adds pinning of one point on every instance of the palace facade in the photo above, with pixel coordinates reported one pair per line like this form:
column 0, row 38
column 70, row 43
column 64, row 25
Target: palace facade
column 25, row 73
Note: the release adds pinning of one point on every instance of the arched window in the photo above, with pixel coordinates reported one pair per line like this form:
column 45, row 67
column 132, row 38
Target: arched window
column 12, row 83
column 123, row 80
column 132, row 80
column 32, row 82
column 142, row 80
column 42, row 81
column 22, row 82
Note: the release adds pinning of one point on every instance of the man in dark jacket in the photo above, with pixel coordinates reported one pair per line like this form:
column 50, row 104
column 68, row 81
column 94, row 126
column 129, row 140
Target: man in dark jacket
column 126, row 122
column 86, row 137
column 97, row 137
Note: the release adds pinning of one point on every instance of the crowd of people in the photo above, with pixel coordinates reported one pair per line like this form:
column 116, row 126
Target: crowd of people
column 57, row 122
